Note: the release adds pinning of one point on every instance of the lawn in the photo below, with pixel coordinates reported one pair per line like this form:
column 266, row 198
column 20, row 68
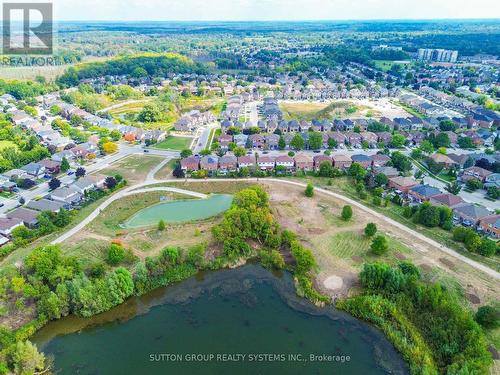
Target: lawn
column 175, row 143
column 133, row 168
column 166, row 170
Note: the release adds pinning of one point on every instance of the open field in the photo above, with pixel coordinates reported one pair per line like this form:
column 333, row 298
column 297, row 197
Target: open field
column 133, row 168
column 341, row 109
column 386, row 65
column 166, row 171
column 174, row 143
column 134, row 107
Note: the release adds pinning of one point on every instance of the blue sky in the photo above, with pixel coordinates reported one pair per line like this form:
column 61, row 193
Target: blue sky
column 239, row 10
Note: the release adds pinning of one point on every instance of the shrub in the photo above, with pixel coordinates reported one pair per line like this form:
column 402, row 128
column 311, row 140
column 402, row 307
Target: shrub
column 272, row 259
column 488, row 317
column 161, row 225
column 370, row 229
column 346, row 213
column 116, row 254
column 379, row 245
column 309, row 192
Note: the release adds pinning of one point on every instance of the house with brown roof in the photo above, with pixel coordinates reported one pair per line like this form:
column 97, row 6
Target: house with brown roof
column 209, row 163
column 461, row 159
column 266, row 162
column 384, row 137
column 304, row 162
column 191, row 163
column 246, row 161
column 228, row 163
column 379, row 160
column 51, row 166
column 7, row 225
column 446, row 199
column 402, row 184
column 469, row 214
column 475, row 172
column 354, row 139
column 285, row 161
column 443, row 160
column 490, row 225
column 29, row 217
column 341, row 161
column 338, row 137
column 318, row 159
column 370, row 138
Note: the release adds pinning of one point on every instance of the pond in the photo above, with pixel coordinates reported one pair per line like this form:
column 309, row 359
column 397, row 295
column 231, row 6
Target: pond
column 241, row 321
column 180, row 211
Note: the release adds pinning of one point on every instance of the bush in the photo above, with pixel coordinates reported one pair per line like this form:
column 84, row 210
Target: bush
column 487, row 248
column 488, row 317
column 370, row 229
column 379, row 245
column 161, row 225
column 346, row 213
column 309, row 192
column 272, row 259
column 116, row 254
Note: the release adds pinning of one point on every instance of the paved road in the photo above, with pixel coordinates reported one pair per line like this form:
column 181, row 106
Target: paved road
column 139, row 188
column 202, row 142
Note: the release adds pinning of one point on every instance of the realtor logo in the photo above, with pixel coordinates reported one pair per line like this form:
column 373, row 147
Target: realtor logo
column 27, row 28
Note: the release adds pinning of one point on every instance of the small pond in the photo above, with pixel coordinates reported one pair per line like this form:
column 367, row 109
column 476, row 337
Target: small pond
column 180, row 211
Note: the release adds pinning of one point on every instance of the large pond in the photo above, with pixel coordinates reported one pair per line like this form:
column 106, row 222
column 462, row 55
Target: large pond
column 180, row 211
column 241, row 321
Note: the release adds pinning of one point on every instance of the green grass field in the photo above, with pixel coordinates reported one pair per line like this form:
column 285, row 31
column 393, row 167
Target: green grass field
column 175, row 143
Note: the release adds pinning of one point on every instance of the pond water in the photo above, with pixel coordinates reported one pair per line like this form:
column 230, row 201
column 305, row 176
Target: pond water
column 241, row 321
column 180, row 211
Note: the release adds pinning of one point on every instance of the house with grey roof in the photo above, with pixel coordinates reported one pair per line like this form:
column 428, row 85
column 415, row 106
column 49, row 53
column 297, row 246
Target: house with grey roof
column 422, row 193
column 28, row 216
column 469, row 214
column 68, row 195
column 45, row 205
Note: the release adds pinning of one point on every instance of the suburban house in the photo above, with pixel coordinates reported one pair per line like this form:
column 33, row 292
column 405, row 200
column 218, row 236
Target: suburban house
column 318, row 159
column 492, row 180
column 443, row 160
column 68, row 195
column 475, row 172
column 461, row 159
column 341, row 161
column 265, row 162
column 7, row 225
column 87, row 183
column 402, row 184
column 304, row 162
column 228, row 163
column 35, row 170
column 246, row 161
column 379, row 160
column 209, row 163
column 45, row 205
column 191, row 163
column 421, row 193
column 29, row 217
column 362, row 159
column 388, row 171
column 469, row 214
column 490, row 225
column 51, row 166
column 446, row 199
column 285, row 161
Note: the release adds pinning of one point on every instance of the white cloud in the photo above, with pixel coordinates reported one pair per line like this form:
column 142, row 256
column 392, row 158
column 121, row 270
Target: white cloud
column 273, row 9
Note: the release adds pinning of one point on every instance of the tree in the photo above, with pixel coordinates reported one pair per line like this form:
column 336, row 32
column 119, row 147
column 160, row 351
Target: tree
column 447, row 125
column 161, row 225
column 110, row 182
column 26, row 358
column 115, row 135
column 65, row 165
column 442, row 140
column 186, row 153
column 370, row 229
column 453, row 188
column 239, row 151
column 109, row 148
column 297, row 142
column 116, row 254
column 281, row 143
column 54, row 183
column 474, row 184
column 315, row 140
column 381, row 179
column 80, row 172
column 466, row 142
column 398, row 140
column 401, row 162
column 178, row 171
column 493, row 192
column 487, row 248
column 346, row 213
column 488, row 317
column 150, row 113
column 427, row 147
column 309, row 192
column 129, row 137
column 205, row 152
column 357, row 171
column 326, row 169
column 379, row 245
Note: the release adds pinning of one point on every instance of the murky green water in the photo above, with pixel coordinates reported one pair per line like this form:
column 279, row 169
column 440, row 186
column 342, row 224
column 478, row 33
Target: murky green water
column 242, row 321
column 180, row 211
